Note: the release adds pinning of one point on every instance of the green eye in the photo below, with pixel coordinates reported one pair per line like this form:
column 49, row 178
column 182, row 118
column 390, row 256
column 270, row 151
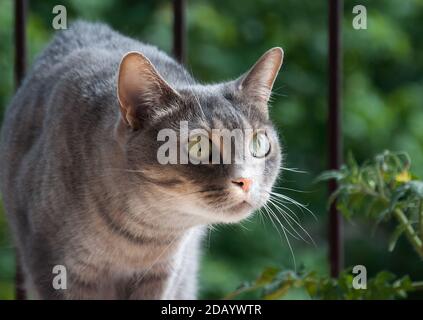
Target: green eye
column 199, row 147
column 260, row 145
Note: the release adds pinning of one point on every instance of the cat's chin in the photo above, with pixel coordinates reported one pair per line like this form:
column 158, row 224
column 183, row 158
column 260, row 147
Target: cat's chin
column 236, row 213
column 233, row 214
column 244, row 205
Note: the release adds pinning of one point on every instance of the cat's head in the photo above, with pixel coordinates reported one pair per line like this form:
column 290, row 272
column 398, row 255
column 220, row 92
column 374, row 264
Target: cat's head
column 152, row 125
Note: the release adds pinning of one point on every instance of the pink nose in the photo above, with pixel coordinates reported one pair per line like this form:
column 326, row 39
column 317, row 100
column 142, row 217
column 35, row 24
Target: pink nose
column 243, row 183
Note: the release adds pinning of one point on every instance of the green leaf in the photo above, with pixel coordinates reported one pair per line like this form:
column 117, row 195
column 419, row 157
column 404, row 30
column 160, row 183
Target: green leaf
column 311, row 287
column 329, row 175
column 267, row 276
column 351, row 162
column 279, row 292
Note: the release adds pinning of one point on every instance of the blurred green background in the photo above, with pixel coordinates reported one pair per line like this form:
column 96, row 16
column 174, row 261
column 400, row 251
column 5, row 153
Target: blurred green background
column 383, row 108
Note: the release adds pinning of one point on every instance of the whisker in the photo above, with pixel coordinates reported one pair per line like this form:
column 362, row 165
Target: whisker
column 261, row 217
column 287, row 221
column 293, row 170
column 290, row 249
column 286, row 229
column 282, row 226
column 299, row 225
column 286, row 237
column 265, row 207
column 295, row 202
column 282, row 203
column 290, row 189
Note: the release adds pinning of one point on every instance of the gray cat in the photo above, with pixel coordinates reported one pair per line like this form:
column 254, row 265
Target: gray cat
column 80, row 179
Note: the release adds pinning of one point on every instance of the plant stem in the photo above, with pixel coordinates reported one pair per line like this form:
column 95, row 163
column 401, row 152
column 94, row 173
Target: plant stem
column 240, row 291
column 410, row 232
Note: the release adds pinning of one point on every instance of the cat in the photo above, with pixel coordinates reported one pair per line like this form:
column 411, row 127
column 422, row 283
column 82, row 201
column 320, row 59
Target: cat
column 80, row 180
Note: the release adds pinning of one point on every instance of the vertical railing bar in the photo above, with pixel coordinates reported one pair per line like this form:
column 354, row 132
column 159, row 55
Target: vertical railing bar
column 179, row 30
column 20, row 40
column 334, row 131
column 20, row 67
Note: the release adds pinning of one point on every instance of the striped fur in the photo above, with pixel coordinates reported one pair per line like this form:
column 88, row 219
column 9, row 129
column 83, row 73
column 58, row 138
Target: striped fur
column 84, row 190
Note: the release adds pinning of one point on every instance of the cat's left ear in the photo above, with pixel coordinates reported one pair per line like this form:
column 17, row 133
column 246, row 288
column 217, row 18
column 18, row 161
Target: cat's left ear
column 141, row 90
column 258, row 82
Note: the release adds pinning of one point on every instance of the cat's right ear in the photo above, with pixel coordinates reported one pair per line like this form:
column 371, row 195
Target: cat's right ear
column 141, row 91
column 258, row 82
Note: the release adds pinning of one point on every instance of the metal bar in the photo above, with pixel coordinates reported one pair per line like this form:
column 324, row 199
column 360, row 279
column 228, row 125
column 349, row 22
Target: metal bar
column 20, row 40
column 20, row 66
column 336, row 254
column 179, row 30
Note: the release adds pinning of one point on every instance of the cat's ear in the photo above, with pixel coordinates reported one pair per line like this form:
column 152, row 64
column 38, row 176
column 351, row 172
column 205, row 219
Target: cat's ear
column 258, row 82
column 141, row 91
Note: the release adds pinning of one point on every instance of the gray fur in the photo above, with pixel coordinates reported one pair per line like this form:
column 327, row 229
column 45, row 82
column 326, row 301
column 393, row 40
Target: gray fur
column 84, row 191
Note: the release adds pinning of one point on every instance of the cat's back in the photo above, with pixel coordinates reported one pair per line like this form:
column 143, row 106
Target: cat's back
column 99, row 40
column 80, row 66
column 87, row 47
column 67, row 77
column 67, row 97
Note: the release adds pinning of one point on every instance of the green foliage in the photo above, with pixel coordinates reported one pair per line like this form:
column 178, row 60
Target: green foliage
column 275, row 283
column 382, row 190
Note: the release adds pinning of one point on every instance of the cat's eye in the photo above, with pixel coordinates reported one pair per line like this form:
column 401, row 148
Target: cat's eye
column 259, row 145
column 199, row 148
